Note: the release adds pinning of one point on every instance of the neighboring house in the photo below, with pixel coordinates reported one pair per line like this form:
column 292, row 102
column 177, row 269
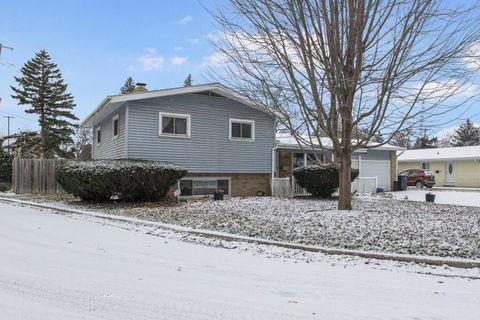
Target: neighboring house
column 224, row 140
column 455, row 166
column 377, row 166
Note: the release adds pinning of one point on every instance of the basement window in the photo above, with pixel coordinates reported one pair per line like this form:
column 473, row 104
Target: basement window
column 203, row 186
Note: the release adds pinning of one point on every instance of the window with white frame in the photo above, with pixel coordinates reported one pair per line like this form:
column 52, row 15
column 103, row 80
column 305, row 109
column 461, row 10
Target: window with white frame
column 202, row 186
column 115, row 127
column 425, row 165
column 242, row 129
column 99, row 135
column 174, row 124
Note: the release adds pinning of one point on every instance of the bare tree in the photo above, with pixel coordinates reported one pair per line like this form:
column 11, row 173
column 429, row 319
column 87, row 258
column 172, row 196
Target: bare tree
column 332, row 68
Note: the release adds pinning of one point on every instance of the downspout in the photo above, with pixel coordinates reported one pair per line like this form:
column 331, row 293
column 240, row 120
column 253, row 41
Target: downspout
column 274, row 149
column 126, row 130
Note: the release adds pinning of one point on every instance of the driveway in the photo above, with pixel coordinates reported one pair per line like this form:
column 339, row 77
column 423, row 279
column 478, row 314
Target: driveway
column 54, row 266
column 453, row 197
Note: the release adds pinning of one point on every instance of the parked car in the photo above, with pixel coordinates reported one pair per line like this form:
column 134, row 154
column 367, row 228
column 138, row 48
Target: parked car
column 419, row 177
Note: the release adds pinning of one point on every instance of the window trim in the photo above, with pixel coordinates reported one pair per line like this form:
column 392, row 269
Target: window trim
column 99, row 129
column 173, row 115
column 116, row 117
column 205, row 178
column 232, row 120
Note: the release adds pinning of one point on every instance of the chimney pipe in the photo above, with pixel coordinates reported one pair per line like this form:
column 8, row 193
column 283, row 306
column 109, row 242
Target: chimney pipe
column 140, row 87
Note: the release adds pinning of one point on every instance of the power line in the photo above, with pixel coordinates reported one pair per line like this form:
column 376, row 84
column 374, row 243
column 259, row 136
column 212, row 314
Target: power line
column 4, row 47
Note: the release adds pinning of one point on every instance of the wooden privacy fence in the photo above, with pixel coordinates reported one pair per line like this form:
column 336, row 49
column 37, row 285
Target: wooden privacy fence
column 35, row 176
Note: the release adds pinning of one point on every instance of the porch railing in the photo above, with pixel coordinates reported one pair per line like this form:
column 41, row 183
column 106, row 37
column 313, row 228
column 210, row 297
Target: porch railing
column 288, row 187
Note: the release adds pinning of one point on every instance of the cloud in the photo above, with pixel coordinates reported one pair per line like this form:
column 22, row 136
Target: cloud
column 472, row 57
column 447, row 89
column 214, row 60
column 193, row 40
column 178, row 60
column 151, row 61
column 185, row 20
column 178, row 48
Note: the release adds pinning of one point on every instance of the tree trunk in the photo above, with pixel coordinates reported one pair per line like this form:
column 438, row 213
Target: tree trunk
column 345, row 183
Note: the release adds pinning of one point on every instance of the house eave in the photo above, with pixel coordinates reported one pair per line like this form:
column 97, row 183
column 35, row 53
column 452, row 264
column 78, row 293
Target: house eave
column 213, row 87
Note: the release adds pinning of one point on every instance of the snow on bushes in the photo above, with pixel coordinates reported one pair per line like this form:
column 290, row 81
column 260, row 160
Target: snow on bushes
column 320, row 181
column 130, row 180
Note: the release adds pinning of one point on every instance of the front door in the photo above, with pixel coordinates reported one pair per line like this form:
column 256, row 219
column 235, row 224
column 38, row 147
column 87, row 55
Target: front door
column 450, row 173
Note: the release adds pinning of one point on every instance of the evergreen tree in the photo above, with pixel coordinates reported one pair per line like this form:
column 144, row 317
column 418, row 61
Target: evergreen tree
column 26, row 144
column 42, row 88
column 426, row 143
column 188, row 81
column 128, row 86
column 466, row 135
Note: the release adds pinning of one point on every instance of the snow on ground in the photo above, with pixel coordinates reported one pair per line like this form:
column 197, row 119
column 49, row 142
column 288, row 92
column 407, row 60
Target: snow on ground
column 78, row 267
column 376, row 224
column 460, row 198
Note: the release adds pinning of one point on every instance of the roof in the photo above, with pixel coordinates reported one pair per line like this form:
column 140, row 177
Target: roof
column 452, row 153
column 289, row 142
column 112, row 102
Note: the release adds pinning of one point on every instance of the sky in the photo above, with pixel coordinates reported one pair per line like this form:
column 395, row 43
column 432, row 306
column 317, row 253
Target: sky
column 98, row 44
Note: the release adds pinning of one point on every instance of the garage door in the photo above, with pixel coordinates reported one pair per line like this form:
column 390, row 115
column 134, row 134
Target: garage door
column 377, row 168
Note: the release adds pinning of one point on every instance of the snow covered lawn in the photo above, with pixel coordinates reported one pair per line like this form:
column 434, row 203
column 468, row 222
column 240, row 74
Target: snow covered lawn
column 460, row 198
column 376, row 224
column 77, row 267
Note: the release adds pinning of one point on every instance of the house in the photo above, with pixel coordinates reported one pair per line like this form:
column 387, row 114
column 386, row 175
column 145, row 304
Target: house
column 223, row 139
column 455, row 166
column 377, row 165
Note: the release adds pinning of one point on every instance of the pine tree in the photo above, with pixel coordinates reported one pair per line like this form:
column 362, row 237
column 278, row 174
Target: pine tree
column 466, row 135
column 128, row 86
column 426, row 143
column 42, row 88
column 188, row 81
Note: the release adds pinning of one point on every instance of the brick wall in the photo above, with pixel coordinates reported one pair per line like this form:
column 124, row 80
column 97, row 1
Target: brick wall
column 243, row 184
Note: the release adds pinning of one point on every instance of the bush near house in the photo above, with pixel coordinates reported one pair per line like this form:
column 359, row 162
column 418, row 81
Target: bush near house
column 320, row 181
column 129, row 180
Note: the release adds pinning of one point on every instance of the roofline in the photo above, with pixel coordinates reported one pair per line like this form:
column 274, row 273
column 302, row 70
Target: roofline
column 296, row 146
column 229, row 93
column 439, row 159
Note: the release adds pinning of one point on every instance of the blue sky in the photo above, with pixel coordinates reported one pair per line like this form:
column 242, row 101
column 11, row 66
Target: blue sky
column 98, row 44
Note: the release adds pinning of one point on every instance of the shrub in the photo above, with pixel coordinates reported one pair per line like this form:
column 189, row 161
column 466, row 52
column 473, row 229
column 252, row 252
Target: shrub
column 129, row 180
column 320, row 181
column 5, row 186
column 5, row 166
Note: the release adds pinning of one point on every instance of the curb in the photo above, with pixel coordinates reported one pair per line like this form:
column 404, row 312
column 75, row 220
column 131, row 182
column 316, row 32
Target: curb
column 430, row 260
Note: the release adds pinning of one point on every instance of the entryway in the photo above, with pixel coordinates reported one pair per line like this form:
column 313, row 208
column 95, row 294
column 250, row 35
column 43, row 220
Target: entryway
column 450, row 173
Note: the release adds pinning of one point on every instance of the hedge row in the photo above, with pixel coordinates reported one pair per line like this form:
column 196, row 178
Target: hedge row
column 129, row 180
column 320, row 181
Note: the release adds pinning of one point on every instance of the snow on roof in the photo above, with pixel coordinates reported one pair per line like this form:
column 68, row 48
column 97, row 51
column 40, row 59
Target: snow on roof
column 113, row 101
column 452, row 153
column 288, row 141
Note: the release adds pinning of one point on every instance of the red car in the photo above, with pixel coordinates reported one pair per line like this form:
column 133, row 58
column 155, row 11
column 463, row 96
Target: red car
column 419, row 177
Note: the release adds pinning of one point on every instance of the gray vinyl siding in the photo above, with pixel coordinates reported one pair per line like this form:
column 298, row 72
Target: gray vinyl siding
column 373, row 155
column 209, row 148
column 110, row 148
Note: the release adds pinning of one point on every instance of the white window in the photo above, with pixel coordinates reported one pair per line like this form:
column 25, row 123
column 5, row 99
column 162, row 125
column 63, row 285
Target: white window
column 99, row 135
column 242, row 129
column 174, row 125
column 202, row 186
column 115, row 127
column 425, row 165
